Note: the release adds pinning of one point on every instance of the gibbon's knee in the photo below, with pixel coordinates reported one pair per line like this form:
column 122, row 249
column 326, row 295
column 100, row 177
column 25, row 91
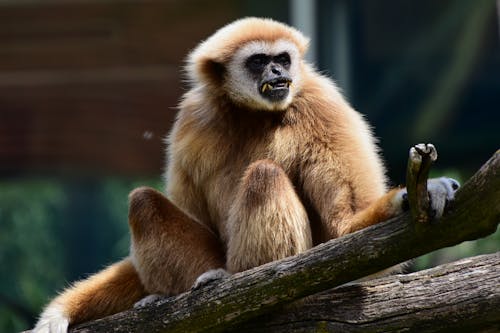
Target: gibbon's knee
column 263, row 180
column 143, row 209
column 149, row 210
column 267, row 221
column 266, row 187
column 169, row 249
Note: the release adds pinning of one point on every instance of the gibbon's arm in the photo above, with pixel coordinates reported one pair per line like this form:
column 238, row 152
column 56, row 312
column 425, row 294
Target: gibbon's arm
column 350, row 204
column 439, row 190
column 382, row 209
column 112, row 290
column 342, row 204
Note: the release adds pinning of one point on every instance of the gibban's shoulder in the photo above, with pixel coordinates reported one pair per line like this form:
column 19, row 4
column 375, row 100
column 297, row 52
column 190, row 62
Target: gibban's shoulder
column 320, row 86
column 320, row 96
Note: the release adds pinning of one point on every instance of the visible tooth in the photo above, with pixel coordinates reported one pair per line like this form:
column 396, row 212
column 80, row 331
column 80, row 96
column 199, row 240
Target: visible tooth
column 266, row 87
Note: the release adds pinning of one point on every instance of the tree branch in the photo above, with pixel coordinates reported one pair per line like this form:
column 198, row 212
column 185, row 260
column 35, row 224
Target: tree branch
column 462, row 296
column 221, row 306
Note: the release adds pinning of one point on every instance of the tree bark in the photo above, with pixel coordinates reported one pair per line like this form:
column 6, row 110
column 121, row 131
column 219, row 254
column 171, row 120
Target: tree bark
column 230, row 302
column 463, row 296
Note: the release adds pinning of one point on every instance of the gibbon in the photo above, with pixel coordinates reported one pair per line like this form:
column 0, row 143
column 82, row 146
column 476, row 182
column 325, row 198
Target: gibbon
column 265, row 160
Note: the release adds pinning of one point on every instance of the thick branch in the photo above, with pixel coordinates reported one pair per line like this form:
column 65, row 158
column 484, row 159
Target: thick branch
column 462, row 296
column 475, row 213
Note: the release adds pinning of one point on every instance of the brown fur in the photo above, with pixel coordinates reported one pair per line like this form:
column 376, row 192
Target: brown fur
column 114, row 289
column 266, row 219
column 323, row 146
column 164, row 239
column 245, row 186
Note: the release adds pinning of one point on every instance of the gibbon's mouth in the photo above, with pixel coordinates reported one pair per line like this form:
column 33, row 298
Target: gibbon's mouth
column 275, row 89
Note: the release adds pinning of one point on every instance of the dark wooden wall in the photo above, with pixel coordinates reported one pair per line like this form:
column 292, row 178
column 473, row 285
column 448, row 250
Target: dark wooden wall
column 92, row 85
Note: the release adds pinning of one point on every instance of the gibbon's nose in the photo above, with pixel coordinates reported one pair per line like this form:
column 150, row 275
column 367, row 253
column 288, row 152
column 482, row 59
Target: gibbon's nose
column 276, row 70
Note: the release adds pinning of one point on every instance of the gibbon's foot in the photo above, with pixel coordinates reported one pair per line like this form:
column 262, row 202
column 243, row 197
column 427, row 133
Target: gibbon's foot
column 148, row 300
column 209, row 277
column 52, row 320
column 423, row 149
column 441, row 191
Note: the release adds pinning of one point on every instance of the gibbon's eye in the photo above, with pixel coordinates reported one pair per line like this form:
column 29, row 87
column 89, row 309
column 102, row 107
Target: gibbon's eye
column 257, row 62
column 283, row 59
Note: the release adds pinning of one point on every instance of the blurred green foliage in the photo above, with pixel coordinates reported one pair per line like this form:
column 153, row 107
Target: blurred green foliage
column 485, row 245
column 36, row 258
column 30, row 213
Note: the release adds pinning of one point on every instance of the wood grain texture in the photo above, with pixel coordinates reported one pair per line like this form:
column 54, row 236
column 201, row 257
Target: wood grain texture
column 462, row 296
column 233, row 301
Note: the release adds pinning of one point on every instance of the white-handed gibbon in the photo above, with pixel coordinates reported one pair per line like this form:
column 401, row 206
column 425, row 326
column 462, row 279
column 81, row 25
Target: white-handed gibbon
column 266, row 159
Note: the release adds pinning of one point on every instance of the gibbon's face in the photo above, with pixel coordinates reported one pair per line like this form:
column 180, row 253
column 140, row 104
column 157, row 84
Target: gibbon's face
column 264, row 75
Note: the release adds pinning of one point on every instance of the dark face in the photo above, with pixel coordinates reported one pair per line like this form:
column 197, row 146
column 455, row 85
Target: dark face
column 272, row 74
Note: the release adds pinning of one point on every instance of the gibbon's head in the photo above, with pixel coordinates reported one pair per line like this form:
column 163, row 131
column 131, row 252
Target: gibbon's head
column 255, row 62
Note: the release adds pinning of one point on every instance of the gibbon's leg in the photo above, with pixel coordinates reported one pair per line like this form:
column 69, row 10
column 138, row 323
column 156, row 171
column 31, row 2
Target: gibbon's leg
column 267, row 220
column 112, row 290
column 169, row 249
column 441, row 191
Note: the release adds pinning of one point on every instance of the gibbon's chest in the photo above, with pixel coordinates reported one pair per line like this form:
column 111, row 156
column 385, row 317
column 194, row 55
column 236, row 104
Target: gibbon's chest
column 216, row 158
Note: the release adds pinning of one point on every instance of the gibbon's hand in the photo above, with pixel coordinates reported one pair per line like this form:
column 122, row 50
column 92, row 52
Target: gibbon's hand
column 441, row 191
column 209, row 277
column 153, row 298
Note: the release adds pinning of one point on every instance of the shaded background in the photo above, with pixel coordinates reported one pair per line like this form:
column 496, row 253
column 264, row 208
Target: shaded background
column 88, row 91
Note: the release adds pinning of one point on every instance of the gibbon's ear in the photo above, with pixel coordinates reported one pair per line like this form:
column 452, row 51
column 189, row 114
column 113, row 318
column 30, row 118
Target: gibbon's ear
column 212, row 71
column 205, row 70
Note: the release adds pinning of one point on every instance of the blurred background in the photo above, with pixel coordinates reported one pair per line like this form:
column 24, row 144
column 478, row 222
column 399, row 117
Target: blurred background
column 89, row 88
